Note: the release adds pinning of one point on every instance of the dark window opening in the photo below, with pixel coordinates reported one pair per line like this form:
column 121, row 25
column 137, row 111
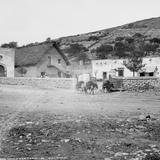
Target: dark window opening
column 59, row 61
column 142, row 74
column 120, row 73
column 104, row 75
column 151, row 74
column 2, row 71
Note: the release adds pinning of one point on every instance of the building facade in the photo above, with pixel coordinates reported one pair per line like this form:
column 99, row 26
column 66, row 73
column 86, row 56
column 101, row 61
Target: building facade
column 102, row 69
column 42, row 60
column 7, row 62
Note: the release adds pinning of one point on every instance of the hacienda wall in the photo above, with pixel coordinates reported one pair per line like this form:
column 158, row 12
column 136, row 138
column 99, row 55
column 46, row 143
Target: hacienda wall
column 49, row 83
column 140, row 83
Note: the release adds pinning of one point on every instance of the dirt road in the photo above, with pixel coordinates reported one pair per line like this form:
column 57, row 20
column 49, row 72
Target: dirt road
column 59, row 101
column 65, row 124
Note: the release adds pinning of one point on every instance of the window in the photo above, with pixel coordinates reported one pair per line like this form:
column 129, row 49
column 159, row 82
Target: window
column 1, row 57
column 104, row 75
column 142, row 74
column 151, row 74
column 59, row 61
column 120, row 72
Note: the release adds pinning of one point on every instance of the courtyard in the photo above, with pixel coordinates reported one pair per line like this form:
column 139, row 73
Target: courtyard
column 66, row 124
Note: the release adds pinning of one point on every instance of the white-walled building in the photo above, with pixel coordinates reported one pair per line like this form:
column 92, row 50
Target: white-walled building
column 7, row 62
column 102, row 69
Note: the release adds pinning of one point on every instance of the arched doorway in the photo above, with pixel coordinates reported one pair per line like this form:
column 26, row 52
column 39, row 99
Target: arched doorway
column 2, row 71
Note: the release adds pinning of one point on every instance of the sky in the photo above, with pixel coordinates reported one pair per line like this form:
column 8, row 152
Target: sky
column 29, row 21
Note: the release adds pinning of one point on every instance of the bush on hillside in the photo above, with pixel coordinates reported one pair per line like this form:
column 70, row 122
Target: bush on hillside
column 119, row 38
column 10, row 45
column 155, row 40
column 120, row 49
column 93, row 38
column 74, row 49
column 103, row 51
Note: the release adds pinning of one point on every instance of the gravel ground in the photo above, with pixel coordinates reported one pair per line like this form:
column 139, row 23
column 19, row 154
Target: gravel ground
column 64, row 124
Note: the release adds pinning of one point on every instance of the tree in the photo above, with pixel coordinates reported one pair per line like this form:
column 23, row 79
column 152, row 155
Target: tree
column 119, row 39
column 82, row 57
column 75, row 49
column 147, row 48
column 135, row 62
column 155, row 40
column 103, row 51
column 138, row 35
column 10, row 45
column 129, row 40
column 48, row 39
column 120, row 49
column 93, row 38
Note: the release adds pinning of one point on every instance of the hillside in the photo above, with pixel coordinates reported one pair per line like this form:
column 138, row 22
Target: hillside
column 150, row 28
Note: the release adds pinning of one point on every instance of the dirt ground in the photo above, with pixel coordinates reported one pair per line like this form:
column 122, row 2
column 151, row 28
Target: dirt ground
column 66, row 124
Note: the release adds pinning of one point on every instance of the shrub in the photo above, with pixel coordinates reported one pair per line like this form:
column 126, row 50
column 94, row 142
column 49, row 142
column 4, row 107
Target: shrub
column 131, row 25
column 155, row 40
column 120, row 49
column 129, row 40
column 103, row 51
column 119, row 38
column 137, row 35
column 93, row 38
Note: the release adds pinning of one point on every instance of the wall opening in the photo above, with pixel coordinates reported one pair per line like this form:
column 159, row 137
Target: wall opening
column 120, row 72
column 104, row 75
column 2, row 71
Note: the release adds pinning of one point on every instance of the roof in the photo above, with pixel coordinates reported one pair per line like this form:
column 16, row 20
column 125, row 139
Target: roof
column 31, row 55
column 149, row 69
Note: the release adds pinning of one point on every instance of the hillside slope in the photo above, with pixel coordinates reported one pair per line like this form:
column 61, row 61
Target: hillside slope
column 150, row 28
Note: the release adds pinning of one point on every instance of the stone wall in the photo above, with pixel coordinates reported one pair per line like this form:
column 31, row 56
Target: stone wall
column 141, row 83
column 66, row 83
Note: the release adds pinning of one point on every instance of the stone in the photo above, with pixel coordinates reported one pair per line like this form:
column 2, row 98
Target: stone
column 142, row 117
column 66, row 140
column 147, row 150
column 119, row 154
column 107, row 159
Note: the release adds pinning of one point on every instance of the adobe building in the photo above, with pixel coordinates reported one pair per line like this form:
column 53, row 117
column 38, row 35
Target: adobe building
column 41, row 60
column 7, row 62
column 102, row 69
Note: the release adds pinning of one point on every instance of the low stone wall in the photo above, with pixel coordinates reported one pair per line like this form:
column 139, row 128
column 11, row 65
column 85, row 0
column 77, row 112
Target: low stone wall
column 67, row 83
column 141, row 83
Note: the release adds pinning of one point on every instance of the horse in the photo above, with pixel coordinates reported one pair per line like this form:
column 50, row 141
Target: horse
column 107, row 86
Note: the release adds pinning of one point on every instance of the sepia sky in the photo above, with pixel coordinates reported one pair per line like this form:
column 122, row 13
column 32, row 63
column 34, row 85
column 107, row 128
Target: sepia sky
column 27, row 21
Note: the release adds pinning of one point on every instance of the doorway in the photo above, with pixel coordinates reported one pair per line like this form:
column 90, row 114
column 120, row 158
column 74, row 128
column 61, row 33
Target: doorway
column 104, row 75
column 2, row 71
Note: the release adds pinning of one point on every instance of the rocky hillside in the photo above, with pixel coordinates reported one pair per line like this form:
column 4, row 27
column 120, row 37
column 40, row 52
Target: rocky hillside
column 150, row 28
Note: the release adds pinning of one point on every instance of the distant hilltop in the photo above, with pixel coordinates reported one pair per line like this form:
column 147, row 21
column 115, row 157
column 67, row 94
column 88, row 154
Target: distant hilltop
column 102, row 44
column 148, row 27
